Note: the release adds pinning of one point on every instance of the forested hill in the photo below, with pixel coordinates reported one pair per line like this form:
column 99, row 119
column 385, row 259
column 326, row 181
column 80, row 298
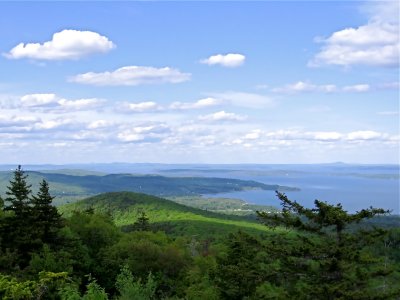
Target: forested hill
column 67, row 185
column 162, row 214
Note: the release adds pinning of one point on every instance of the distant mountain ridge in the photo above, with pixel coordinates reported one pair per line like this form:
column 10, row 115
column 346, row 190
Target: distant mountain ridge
column 81, row 185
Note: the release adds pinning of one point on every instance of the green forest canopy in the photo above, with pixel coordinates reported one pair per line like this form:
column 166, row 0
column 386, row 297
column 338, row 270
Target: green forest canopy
column 100, row 249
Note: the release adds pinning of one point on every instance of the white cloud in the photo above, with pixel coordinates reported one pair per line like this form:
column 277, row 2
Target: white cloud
column 241, row 99
column 308, row 87
column 144, row 133
column 253, row 135
column 80, row 104
column 230, row 60
column 357, row 88
column 302, row 86
column 67, row 44
column 53, row 103
column 284, row 134
column 202, row 103
column 325, row 135
column 33, row 124
column 53, row 124
column 237, row 142
column 147, row 106
column 222, row 116
column 128, row 136
column 365, row 135
column 374, row 44
column 38, row 99
column 131, row 76
column 17, row 123
column 99, row 124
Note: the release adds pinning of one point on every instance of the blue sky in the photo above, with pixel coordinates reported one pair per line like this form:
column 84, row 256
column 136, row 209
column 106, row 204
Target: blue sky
column 199, row 82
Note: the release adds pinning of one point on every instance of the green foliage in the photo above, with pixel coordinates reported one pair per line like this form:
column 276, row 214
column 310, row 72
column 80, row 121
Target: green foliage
column 30, row 221
column 13, row 228
column 11, row 289
column 50, row 260
column 45, row 216
column 8, row 259
column 94, row 230
column 165, row 215
column 129, row 289
column 18, row 193
column 93, row 292
column 69, row 292
column 222, row 205
column 44, row 288
column 198, row 283
column 238, row 273
column 329, row 259
column 320, row 253
column 142, row 223
column 146, row 252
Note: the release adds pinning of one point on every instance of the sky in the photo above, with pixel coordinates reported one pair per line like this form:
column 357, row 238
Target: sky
column 199, row 82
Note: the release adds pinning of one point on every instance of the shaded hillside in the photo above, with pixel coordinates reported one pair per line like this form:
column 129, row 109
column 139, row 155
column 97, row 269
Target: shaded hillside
column 125, row 207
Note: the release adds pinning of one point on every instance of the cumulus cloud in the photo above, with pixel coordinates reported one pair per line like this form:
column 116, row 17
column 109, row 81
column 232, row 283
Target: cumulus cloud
column 54, row 124
column 56, row 104
column 12, row 123
column 80, row 104
column 290, row 134
column 302, row 86
column 357, row 88
column 222, row 116
column 32, row 100
column 324, row 135
column 284, row 134
column 34, row 124
column 374, row 44
column 248, row 100
column 148, row 106
column 230, row 60
column 202, row 103
column 365, row 135
column 308, row 87
column 64, row 45
column 132, row 76
column 253, row 135
column 143, row 133
column 99, row 124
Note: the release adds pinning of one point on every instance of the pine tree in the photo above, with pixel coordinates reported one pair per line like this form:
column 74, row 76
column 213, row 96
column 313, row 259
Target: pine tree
column 142, row 223
column 16, row 228
column 18, row 193
column 45, row 216
column 330, row 258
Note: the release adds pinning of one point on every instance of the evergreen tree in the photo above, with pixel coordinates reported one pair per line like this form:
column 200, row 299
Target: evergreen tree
column 330, row 261
column 16, row 228
column 45, row 216
column 18, row 193
column 142, row 223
